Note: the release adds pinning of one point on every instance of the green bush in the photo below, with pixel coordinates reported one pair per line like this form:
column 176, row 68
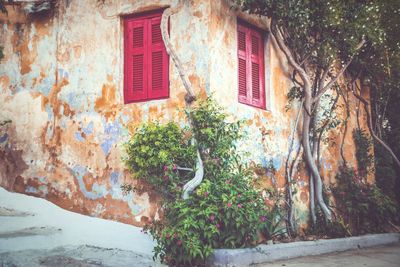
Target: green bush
column 225, row 211
column 364, row 208
column 155, row 146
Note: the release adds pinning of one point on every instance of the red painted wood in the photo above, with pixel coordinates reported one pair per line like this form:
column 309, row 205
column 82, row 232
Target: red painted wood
column 251, row 81
column 158, row 76
column 145, row 59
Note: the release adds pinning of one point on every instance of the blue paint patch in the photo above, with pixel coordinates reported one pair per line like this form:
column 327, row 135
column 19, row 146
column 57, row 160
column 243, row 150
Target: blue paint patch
column 264, row 162
column 43, row 179
column 45, row 86
column 114, row 178
column 31, row 189
column 49, row 132
column 79, row 137
column 278, row 131
column 63, row 73
column 113, row 129
column 135, row 209
column 125, row 118
column 43, row 189
column 49, row 110
column 98, row 191
column 63, row 124
column 3, row 138
column 327, row 165
column 106, row 145
column 277, row 163
column 88, row 129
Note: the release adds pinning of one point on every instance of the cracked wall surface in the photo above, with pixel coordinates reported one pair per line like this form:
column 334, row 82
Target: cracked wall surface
column 61, row 84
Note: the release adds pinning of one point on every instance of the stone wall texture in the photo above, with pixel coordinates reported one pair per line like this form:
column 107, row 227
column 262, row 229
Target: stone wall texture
column 61, row 84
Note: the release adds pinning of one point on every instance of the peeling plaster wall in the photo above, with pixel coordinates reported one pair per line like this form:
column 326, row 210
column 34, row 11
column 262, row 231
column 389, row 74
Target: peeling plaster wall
column 61, row 84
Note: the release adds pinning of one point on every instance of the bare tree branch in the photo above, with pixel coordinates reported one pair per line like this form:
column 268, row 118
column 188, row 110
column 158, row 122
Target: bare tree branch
column 190, row 96
column 279, row 39
column 334, row 80
column 370, row 125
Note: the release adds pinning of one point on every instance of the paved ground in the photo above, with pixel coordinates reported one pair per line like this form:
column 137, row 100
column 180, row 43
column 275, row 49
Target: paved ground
column 75, row 256
column 35, row 232
column 387, row 256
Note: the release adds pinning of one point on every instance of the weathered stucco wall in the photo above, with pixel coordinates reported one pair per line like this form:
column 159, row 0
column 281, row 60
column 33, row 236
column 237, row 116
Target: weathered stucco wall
column 61, row 84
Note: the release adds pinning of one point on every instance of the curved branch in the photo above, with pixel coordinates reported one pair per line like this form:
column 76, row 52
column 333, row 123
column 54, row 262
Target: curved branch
column 289, row 174
column 334, row 80
column 190, row 96
column 198, row 177
column 346, row 102
column 370, row 125
column 279, row 40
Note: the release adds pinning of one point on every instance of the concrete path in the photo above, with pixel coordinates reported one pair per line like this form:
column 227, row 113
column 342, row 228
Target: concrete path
column 385, row 256
column 35, row 232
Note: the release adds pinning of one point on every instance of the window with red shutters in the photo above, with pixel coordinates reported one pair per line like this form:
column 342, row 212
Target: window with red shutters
column 145, row 59
column 251, row 82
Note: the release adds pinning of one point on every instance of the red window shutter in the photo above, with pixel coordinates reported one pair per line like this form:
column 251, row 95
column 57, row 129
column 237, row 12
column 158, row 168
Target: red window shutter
column 257, row 70
column 250, row 66
column 135, row 58
column 146, row 61
column 158, row 61
column 242, row 66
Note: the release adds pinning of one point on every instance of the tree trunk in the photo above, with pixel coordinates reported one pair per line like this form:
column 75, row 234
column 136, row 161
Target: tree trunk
column 189, row 98
column 309, row 157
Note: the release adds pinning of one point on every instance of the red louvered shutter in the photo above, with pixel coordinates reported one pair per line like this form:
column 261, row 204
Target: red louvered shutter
column 242, row 65
column 135, row 58
column 250, row 66
column 158, row 61
column 145, row 59
column 257, row 70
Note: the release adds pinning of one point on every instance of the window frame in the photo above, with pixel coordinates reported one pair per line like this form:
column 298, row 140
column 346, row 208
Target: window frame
column 250, row 30
column 129, row 97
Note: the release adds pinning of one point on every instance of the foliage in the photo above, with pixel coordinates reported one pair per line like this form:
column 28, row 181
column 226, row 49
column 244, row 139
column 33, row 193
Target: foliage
column 2, row 6
column 224, row 211
column 155, row 146
column 322, row 31
column 332, row 229
column 364, row 207
column 385, row 174
column 379, row 67
column 363, row 151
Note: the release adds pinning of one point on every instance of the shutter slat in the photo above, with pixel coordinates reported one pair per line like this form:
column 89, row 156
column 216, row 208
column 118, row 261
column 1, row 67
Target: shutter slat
column 255, row 80
column 242, row 77
column 156, row 36
column 137, row 69
column 157, row 70
column 241, row 41
column 254, row 45
column 138, row 37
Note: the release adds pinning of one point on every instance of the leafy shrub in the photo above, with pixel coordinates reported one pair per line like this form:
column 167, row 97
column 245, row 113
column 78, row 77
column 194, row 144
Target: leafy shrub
column 365, row 209
column 155, row 146
column 225, row 211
